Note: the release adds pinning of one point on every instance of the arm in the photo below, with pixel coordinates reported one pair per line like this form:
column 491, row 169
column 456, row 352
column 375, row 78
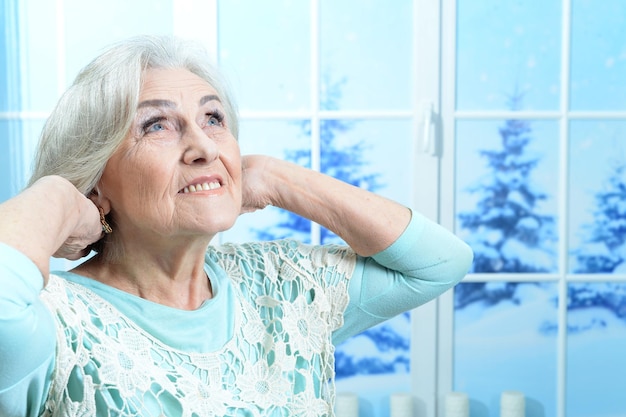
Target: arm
column 50, row 218
column 426, row 261
column 367, row 222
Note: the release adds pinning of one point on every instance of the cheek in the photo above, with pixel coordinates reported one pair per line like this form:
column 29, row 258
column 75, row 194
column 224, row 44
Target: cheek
column 232, row 158
column 138, row 184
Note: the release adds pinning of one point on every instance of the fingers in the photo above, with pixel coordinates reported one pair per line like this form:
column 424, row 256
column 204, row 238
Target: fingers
column 72, row 254
column 88, row 231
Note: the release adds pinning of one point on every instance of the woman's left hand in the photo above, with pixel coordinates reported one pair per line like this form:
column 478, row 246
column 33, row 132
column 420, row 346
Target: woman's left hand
column 256, row 191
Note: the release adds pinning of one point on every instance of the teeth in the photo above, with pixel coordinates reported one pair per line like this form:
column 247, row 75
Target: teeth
column 201, row 187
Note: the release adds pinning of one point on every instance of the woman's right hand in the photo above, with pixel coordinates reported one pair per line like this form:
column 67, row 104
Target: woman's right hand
column 88, row 230
column 50, row 218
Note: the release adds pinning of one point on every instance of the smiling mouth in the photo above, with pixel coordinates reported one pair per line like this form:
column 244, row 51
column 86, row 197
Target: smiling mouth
column 205, row 186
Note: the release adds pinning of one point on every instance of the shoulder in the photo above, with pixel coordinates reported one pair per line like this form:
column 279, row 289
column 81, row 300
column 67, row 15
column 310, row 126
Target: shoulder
column 71, row 302
column 280, row 251
column 284, row 260
column 55, row 291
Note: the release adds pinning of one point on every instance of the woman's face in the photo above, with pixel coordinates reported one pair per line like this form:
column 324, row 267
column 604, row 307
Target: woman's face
column 178, row 171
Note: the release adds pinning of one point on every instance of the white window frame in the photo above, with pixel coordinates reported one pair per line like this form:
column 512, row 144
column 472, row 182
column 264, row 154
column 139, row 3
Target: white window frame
column 449, row 115
column 434, row 32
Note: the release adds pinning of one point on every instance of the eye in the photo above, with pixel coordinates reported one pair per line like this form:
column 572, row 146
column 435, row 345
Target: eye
column 214, row 118
column 153, row 125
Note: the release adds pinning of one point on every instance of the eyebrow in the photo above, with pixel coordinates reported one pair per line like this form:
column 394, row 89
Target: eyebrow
column 171, row 104
column 208, row 98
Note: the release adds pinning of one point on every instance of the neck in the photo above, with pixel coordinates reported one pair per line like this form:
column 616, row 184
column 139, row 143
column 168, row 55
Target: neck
column 174, row 277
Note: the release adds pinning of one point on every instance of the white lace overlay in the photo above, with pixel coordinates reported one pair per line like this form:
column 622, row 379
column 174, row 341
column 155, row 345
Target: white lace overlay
column 279, row 362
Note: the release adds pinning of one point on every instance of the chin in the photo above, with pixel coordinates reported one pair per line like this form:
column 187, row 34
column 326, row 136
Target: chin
column 217, row 225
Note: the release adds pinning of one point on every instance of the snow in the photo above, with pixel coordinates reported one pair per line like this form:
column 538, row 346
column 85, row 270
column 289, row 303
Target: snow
column 359, row 346
column 620, row 268
column 537, row 257
column 518, row 198
column 505, row 347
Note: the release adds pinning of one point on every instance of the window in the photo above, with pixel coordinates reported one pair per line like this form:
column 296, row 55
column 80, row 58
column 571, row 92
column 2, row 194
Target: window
column 536, row 117
column 503, row 120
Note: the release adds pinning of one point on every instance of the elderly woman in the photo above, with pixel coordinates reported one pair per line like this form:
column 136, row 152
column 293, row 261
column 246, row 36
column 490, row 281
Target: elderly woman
column 140, row 163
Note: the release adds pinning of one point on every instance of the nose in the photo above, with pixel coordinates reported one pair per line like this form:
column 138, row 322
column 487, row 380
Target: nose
column 199, row 149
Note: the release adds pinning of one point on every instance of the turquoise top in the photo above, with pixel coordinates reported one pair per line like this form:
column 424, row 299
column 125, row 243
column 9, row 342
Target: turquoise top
column 424, row 262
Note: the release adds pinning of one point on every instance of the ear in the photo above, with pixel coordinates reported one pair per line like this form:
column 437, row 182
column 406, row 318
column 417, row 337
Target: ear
column 100, row 200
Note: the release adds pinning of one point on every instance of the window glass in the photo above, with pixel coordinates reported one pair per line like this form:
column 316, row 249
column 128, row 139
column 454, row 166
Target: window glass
column 39, row 56
column 282, row 139
column 266, row 56
column 505, row 47
column 90, row 26
column 371, row 154
column 367, row 54
column 597, row 196
column 506, row 194
column 596, row 336
column 10, row 71
column 10, row 157
column 505, row 339
column 598, row 56
column 376, row 364
column 5, row 104
column 17, row 142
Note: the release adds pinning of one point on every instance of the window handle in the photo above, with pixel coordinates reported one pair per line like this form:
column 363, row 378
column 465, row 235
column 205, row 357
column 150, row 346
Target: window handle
column 429, row 135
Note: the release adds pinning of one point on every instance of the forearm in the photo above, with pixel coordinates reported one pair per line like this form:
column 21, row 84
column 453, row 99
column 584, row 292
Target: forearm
column 368, row 222
column 37, row 221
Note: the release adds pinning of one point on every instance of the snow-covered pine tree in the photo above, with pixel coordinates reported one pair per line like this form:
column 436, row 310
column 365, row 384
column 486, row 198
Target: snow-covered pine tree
column 508, row 231
column 344, row 163
column 603, row 250
column 604, row 245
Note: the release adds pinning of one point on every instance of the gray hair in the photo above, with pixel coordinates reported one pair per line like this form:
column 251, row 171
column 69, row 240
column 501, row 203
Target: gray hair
column 94, row 115
column 96, row 112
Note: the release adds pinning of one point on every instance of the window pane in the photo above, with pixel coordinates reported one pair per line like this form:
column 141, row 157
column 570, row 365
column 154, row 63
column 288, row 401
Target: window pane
column 10, row 158
column 90, row 26
column 367, row 55
column 10, row 51
column 598, row 56
column 371, row 154
column 18, row 139
column 596, row 337
column 506, row 195
column 266, row 54
column 504, row 48
column 505, row 339
column 376, row 364
column 40, row 72
column 597, row 196
column 285, row 140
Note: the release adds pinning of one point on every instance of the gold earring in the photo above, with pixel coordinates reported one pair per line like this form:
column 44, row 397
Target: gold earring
column 106, row 228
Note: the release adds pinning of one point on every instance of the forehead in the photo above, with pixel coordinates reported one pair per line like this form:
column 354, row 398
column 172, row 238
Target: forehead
column 170, row 83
